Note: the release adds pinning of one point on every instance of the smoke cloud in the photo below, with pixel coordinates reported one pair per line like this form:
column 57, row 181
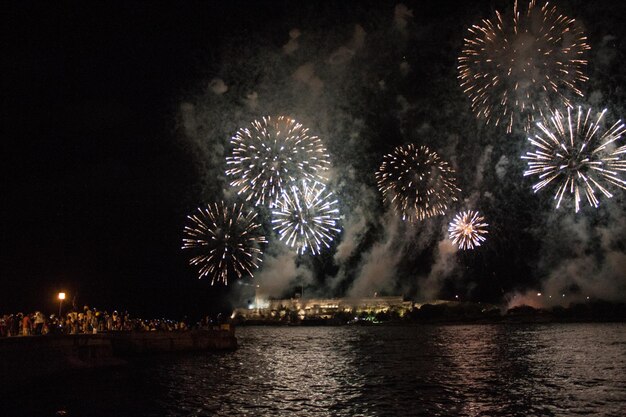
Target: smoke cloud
column 501, row 167
column 443, row 266
column 401, row 17
column 292, row 45
column 306, row 74
column 281, row 270
column 595, row 263
column 582, row 260
column 218, row 86
column 365, row 87
column 378, row 268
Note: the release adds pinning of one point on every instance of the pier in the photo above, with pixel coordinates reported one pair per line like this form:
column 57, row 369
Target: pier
column 23, row 358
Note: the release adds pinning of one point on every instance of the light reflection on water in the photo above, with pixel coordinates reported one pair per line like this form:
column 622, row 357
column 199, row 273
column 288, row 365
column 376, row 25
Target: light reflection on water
column 477, row 370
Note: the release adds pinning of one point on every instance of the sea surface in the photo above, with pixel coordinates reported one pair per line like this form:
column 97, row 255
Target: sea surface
column 467, row 370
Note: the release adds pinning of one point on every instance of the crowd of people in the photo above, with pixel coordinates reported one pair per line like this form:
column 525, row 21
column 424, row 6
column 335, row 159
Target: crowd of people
column 87, row 321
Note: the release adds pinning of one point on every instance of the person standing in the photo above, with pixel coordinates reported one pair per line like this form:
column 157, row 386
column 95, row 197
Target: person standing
column 87, row 317
column 39, row 321
column 13, row 325
column 26, row 325
column 109, row 321
column 3, row 325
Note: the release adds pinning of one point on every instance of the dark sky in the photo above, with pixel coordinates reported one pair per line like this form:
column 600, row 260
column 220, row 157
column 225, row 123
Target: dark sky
column 95, row 179
column 100, row 172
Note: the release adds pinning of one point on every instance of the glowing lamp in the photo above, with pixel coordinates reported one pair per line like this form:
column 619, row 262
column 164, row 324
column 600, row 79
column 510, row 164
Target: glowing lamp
column 61, row 298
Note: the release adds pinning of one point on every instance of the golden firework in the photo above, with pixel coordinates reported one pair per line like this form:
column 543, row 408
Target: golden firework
column 514, row 68
column 416, row 182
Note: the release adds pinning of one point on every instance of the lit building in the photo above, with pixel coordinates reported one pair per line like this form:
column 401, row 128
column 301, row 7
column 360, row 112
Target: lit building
column 321, row 308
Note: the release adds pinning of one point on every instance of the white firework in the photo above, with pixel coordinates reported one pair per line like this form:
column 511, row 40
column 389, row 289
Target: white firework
column 306, row 217
column 272, row 155
column 225, row 241
column 467, row 229
column 577, row 155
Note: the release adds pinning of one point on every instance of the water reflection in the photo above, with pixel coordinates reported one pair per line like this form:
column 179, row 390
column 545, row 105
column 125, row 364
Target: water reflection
column 485, row 370
column 489, row 369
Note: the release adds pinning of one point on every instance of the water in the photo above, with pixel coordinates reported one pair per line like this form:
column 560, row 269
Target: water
column 477, row 370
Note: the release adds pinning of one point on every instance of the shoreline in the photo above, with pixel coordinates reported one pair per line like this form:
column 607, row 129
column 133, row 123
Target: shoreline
column 442, row 314
column 329, row 323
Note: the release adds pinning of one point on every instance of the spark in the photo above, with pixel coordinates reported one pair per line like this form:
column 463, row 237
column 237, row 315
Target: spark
column 467, row 230
column 271, row 155
column 518, row 67
column 225, row 240
column 306, row 217
column 577, row 155
column 416, row 182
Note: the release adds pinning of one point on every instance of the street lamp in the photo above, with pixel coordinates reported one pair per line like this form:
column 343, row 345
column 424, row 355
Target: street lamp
column 61, row 298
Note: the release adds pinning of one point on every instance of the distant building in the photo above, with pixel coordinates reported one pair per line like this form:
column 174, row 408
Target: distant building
column 321, row 308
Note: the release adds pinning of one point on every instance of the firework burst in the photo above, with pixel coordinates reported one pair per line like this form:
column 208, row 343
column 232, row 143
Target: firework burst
column 271, row 155
column 577, row 155
column 416, row 182
column 515, row 68
column 467, row 229
column 306, row 217
column 226, row 241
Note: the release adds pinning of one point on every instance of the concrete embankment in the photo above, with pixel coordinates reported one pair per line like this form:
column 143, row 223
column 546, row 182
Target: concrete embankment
column 24, row 358
column 129, row 344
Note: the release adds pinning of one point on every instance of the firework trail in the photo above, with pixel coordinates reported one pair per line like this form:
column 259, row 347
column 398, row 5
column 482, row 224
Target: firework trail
column 577, row 155
column 416, row 182
column 515, row 68
column 225, row 239
column 271, row 155
column 467, row 229
column 306, row 217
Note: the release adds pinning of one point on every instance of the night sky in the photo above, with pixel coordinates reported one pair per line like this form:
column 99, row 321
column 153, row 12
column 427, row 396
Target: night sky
column 117, row 118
